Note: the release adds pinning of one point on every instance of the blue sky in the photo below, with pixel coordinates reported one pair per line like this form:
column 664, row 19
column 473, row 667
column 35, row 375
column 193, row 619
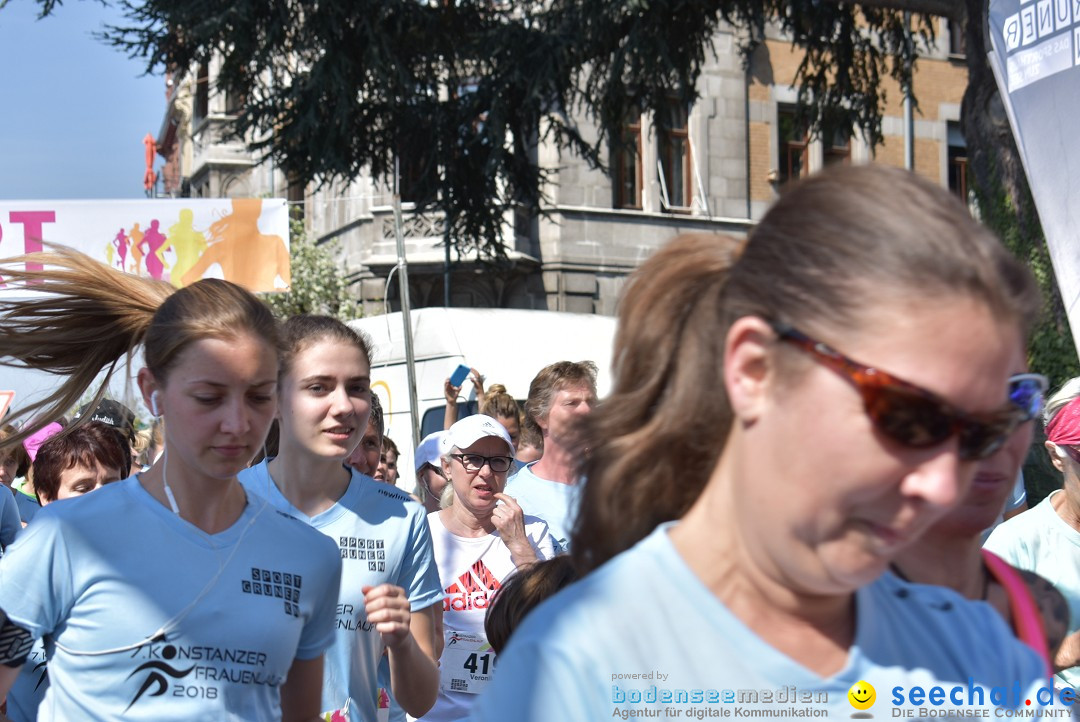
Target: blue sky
column 73, row 111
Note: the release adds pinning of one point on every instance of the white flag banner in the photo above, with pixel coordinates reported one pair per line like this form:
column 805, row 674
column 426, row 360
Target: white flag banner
column 244, row 240
column 1036, row 60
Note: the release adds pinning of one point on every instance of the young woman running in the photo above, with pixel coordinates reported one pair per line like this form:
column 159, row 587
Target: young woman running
column 390, row 585
column 174, row 594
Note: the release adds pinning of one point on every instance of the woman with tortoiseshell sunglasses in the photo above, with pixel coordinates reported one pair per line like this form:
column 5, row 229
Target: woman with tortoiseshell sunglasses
column 787, row 415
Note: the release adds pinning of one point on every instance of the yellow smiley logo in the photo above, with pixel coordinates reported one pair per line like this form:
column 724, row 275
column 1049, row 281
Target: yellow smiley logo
column 862, row 695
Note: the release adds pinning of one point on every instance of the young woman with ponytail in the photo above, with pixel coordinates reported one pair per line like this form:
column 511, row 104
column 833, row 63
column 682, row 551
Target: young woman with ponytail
column 174, row 594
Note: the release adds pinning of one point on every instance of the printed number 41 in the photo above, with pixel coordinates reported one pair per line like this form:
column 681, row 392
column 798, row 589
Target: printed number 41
column 473, row 662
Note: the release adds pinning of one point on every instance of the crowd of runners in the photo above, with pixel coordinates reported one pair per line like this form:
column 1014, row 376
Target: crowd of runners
column 789, row 485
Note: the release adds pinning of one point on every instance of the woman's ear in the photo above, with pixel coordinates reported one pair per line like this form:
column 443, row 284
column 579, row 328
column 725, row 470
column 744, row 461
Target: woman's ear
column 748, row 365
column 148, row 386
column 1057, row 458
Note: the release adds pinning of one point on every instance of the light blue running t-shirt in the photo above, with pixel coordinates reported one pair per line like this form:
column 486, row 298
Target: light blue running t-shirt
column 30, row 686
column 642, row 634
column 555, row 503
column 382, row 538
column 99, row 575
column 10, row 523
column 26, row 505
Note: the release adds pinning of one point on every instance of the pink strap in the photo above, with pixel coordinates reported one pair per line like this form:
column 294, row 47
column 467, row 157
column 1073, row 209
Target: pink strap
column 1026, row 617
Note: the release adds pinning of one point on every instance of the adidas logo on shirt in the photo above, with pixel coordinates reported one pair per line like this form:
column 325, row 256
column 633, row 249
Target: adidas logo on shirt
column 472, row 590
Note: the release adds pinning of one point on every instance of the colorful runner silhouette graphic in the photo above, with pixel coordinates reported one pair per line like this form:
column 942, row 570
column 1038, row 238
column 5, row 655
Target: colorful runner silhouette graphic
column 246, row 256
column 186, row 242
column 121, row 244
column 136, row 236
column 153, row 240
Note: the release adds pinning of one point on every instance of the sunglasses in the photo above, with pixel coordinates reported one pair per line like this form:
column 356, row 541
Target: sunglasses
column 1027, row 391
column 475, row 462
column 909, row 414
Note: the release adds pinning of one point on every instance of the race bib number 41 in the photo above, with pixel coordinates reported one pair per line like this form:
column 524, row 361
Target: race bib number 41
column 468, row 663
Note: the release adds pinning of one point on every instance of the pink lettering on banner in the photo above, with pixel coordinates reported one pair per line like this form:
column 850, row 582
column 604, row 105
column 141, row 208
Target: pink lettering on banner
column 31, row 222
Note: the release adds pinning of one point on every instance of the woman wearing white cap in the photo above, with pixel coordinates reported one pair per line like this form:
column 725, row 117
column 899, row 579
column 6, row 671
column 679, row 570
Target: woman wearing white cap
column 480, row 537
column 430, row 481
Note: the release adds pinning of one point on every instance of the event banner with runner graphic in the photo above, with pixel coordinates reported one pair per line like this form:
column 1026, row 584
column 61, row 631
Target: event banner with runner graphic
column 245, row 240
column 1036, row 61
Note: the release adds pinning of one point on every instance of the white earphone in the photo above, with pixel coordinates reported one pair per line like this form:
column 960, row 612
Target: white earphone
column 154, row 403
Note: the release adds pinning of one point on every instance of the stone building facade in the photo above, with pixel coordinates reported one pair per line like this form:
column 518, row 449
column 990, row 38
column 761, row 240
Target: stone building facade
column 716, row 166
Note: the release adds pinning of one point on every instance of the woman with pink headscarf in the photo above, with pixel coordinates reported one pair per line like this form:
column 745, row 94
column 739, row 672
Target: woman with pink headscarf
column 1046, row 539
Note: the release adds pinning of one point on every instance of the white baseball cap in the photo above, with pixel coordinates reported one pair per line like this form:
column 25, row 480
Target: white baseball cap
column 471, row 429
column 430, row 450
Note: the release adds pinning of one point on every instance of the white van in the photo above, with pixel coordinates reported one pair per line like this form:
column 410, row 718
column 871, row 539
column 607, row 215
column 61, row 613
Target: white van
column 506, row 346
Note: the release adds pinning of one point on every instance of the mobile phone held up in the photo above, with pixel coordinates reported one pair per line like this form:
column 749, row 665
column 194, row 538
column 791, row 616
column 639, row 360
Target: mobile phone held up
column 460, row 374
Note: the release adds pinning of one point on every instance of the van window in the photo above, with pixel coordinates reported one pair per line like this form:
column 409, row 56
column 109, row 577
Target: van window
column 434, row 417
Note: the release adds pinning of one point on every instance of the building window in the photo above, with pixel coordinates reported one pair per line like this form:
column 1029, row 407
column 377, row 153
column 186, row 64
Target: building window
column 234, row 102
column 202, row 92
column 295, row 196
column 839, row 150
column 957, row 41
column 793, row 142
column 410, row 178
column 958, row 162
column 627, row 174
column 674, row 155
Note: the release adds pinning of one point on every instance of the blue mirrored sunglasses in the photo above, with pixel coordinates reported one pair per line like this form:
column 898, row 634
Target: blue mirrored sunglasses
column 1027, row 392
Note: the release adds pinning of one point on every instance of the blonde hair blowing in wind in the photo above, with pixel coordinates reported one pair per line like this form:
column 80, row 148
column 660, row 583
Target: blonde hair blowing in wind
column 85, row 316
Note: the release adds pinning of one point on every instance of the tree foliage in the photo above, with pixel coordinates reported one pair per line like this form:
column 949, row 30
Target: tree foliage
column 317, row 283
column 462, row 91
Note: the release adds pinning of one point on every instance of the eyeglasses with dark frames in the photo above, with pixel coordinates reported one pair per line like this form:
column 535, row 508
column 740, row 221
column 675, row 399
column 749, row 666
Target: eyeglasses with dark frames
column 909, row 414
column 475, row 462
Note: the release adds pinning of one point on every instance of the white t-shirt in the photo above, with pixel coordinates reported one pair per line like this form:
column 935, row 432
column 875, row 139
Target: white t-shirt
column 105, row 571
column 1040, row 541
column 643, row 633
column 471, row 571
column 383, row 538
column 555, row 503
